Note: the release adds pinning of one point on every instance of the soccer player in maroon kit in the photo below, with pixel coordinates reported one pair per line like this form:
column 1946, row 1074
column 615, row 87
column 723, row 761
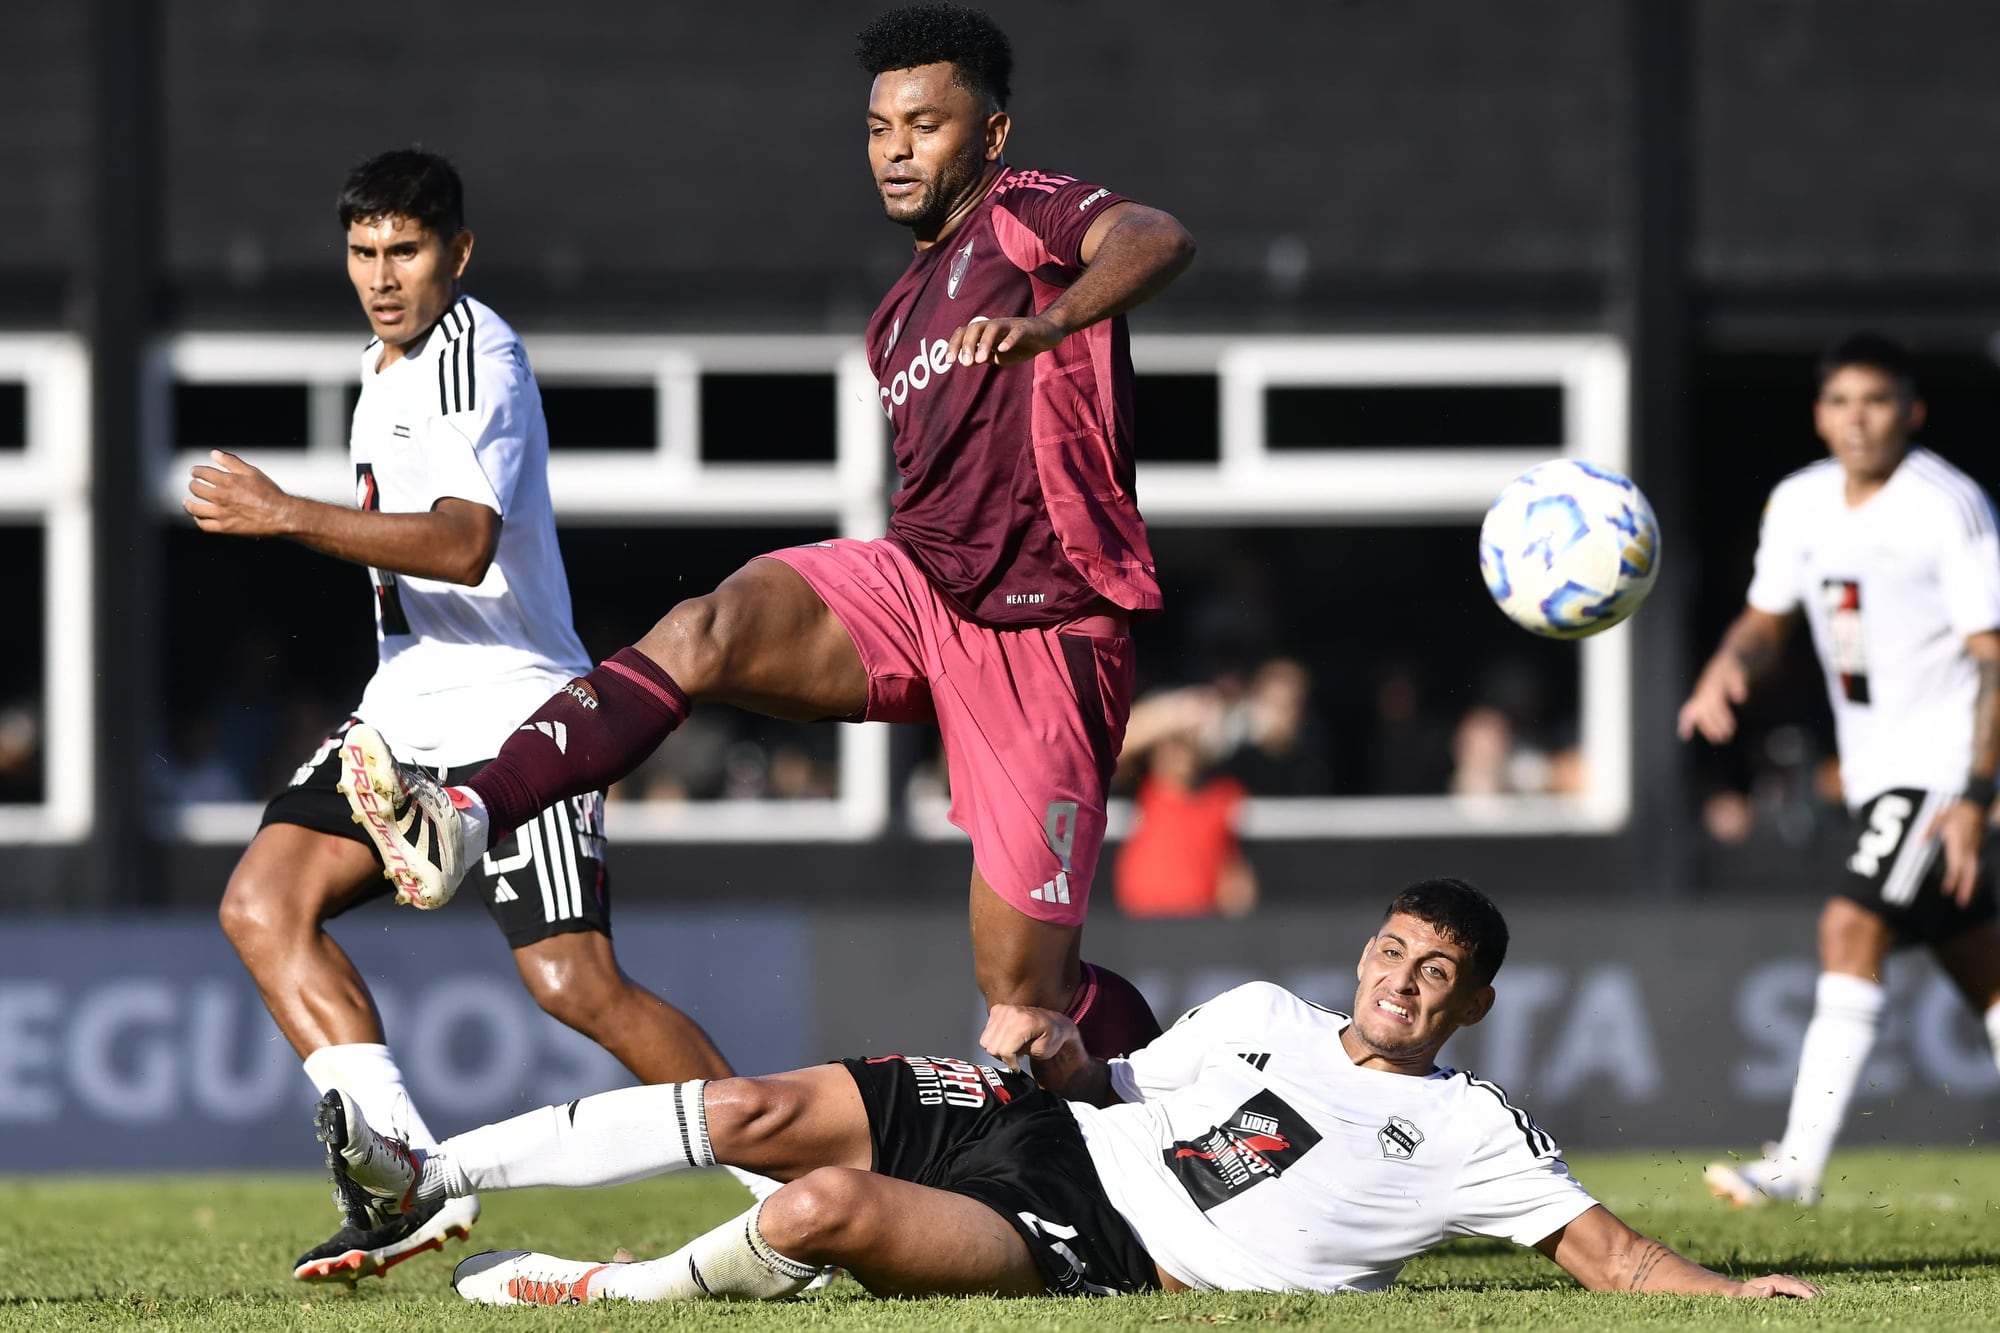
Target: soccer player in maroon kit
column 997, row 606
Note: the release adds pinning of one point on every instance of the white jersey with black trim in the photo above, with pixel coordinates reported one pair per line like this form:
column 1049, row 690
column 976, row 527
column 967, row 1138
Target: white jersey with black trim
column 1891, row 588
column 1251, row 1154
column 461, row 417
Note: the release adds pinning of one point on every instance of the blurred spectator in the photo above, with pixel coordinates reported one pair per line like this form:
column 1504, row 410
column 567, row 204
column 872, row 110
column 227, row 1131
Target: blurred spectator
column 1409, row 748
column 1182, row 858
column 20, row 754
column 1273, row 744
column 1491, row 757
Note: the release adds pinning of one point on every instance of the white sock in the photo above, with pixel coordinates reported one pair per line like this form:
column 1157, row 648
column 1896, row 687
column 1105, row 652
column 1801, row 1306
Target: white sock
column 732, row 1262
column 609, row 1139
column 474, row 824
column 1993, row 1031
column 760, row 1187
column 366, row 1071
column 1846, row 1012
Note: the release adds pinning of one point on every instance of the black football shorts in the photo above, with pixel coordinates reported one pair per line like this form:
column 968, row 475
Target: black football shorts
column 1897, row 873
column 544, row 879
column 997, row 1138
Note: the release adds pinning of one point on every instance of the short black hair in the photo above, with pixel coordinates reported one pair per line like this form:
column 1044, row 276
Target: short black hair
column 1877, row 351
column 1463, row 915
column 981, row 57
column 405, row 183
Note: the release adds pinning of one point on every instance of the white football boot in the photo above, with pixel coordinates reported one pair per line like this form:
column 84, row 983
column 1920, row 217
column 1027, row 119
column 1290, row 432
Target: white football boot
column 1756, row 1184
column 522, row 1277
column 407, row 814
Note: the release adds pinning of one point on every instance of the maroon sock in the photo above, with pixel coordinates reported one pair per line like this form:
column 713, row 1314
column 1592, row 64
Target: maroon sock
column 591, row 732
column 1112, row 1015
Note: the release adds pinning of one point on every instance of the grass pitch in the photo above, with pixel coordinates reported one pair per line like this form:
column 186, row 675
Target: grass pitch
column 1904, row 1237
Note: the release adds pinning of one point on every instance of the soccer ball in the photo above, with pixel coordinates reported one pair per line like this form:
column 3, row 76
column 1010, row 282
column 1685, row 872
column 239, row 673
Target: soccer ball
column 1569, row 548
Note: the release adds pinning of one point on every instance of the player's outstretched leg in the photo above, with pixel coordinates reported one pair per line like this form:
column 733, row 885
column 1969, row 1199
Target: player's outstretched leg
column 732, row 1262
column 763, row 641
column 407, row 814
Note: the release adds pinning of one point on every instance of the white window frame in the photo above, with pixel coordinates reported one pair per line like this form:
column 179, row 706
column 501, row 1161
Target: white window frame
column 670, row 483
column 1248, row 484
column 47, row 485
column 1254, row 484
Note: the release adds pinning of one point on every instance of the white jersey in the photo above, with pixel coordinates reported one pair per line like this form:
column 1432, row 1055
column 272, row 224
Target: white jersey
column 1891, row 588
column 461, row 417
column 1252, row 1154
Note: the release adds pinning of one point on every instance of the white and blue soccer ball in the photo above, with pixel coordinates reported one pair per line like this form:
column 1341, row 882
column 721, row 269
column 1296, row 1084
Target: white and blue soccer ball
column 1569, row 548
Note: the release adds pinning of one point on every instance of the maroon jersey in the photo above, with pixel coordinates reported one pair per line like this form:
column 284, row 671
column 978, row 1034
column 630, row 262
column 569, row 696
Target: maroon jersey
column 1017, row 498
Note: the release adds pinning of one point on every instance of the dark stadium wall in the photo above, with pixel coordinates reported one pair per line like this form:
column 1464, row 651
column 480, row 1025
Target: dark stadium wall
column 1364, row 161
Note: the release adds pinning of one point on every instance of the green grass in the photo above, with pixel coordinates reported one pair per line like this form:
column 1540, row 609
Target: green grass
column 1908, row 1238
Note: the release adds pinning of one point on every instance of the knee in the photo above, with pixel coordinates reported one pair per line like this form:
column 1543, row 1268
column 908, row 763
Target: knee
column 1852, row 940
column 691, row 642
column 255, row 908
column 581, row 993
column 749, row 1118
column 1028, row 982
column 813, row 1218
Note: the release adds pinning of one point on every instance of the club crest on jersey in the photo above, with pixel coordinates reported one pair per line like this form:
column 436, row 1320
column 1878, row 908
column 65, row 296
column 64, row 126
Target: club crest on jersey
column 1259, row 1140
column 959, row 263
column 1399, row 1139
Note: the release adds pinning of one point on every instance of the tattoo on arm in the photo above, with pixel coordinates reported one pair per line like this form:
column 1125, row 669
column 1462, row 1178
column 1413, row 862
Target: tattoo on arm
column 1986, row 717
column 1651, row 1254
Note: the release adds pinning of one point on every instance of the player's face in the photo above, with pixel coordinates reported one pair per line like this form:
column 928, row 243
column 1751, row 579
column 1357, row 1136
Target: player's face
column 929, row 143
column 406, row 276
column 1866, row 420
column 1415, row 989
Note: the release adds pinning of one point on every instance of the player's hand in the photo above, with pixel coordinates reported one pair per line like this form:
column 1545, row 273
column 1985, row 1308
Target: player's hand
column 1048, row 1038
column 1004, row 341
column 1711, row 709
column 1778, row 1284
column 236, row 498
column 1961, row 828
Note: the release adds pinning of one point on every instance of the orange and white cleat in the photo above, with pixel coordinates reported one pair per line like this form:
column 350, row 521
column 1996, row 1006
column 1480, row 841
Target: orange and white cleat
column 523, row 1277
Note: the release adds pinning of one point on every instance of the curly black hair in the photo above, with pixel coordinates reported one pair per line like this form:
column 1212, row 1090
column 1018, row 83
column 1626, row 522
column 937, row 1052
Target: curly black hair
column 981, row 57
column 405, row 183
column 1461, row 914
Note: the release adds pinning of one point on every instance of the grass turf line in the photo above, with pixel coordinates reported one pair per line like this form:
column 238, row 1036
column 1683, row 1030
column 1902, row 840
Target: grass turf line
column 1909, row 1236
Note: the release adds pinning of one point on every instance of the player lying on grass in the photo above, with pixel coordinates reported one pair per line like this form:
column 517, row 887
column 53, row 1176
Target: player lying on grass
column 1262, row 1143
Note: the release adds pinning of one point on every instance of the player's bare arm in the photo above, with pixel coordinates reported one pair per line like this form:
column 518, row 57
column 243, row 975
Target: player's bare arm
column 1130, row 255
column 454, row 542
column 1748, row 648
column 1604, row 1254
column 1961, row 827
column 1052, row 1042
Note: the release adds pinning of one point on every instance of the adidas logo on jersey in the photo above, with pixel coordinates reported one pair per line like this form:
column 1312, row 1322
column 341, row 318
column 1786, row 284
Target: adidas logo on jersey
column 503, row 892
column 555, row 731
column 1255, row 1059
column 1055, row 891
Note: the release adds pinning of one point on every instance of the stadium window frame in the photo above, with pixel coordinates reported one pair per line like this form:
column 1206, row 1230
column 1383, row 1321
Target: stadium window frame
column 1253, row 484
column 46, row 484
column 1247, row 484
column 671, row 483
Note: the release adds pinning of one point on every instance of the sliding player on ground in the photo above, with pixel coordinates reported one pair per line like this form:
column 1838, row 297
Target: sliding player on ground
column 997, row 606
column 1261, row 1144
column 472, row 618
column 1890, row 552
